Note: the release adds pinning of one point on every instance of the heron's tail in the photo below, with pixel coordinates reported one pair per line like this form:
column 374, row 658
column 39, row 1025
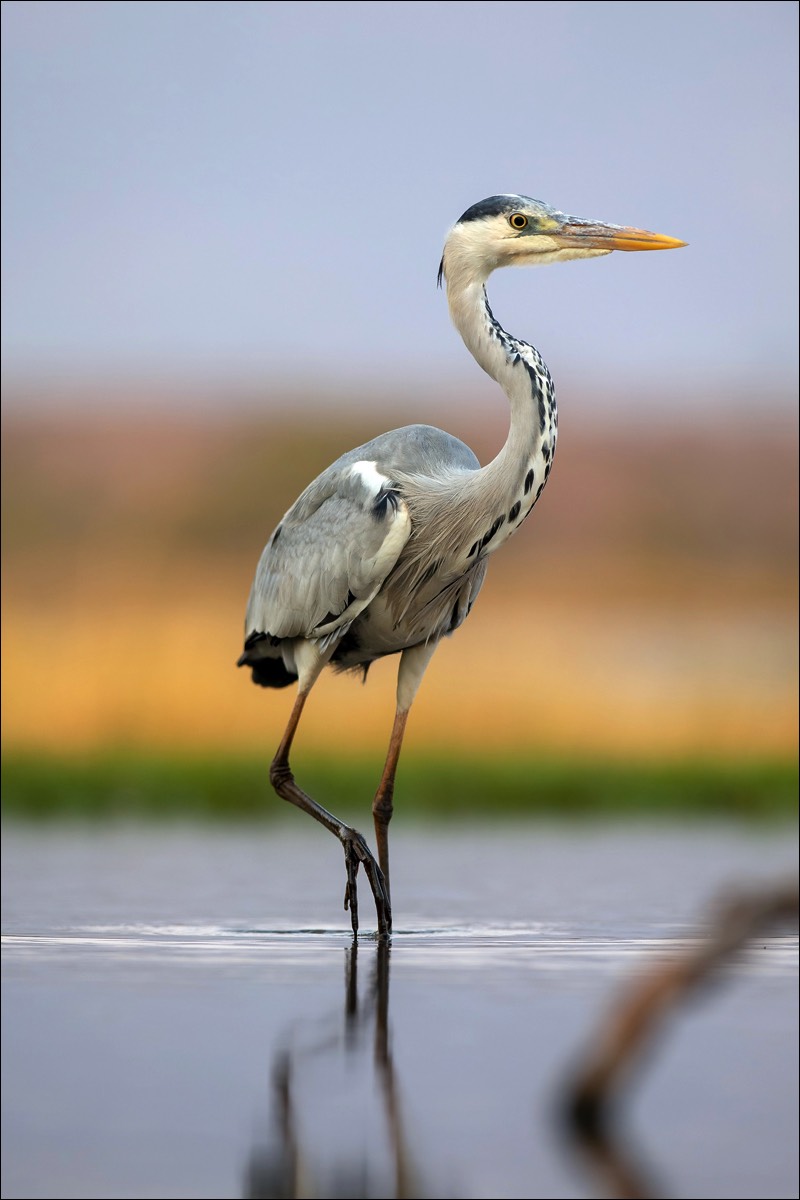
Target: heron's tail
column 262, row 654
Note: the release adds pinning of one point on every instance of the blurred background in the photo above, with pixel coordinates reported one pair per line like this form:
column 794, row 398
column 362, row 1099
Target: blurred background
column 222, row 224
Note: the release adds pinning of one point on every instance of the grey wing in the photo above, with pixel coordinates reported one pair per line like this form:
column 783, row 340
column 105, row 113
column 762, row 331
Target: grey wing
column 329, row 556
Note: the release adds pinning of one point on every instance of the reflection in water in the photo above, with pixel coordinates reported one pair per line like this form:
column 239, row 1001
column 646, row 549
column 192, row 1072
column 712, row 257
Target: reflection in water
column 608, row 1152
column 638, row 1017
column 306, row 1103
column 281, row 1037
column 285, row 1167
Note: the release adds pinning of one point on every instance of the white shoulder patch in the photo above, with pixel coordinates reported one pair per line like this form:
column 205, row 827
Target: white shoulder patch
column 369, row 475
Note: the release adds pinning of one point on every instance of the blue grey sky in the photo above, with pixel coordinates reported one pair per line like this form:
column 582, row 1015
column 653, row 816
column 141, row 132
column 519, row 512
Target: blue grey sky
column 262, row 189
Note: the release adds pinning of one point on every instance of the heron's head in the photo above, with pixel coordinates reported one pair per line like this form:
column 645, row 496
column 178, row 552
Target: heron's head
column 508, row 231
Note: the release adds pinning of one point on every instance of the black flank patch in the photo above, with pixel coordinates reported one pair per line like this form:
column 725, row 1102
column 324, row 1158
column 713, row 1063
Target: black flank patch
column 514, row 513
column 271, row 672
column 349, row 644
column 528, row 481
column 473, row 548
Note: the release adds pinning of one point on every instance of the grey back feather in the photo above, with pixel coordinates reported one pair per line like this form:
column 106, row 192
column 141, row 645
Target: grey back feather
column 331, row 553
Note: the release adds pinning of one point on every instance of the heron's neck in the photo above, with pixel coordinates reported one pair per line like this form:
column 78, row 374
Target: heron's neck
column 520, row 470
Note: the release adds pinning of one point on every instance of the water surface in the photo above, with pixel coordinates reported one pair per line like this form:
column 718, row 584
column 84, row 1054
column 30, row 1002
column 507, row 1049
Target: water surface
column 184, row 1014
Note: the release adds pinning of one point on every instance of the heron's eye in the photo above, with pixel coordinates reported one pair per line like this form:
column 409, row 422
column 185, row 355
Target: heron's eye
column 518, row 220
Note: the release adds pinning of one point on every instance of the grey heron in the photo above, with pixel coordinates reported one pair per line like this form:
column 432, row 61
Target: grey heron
column 386, row 550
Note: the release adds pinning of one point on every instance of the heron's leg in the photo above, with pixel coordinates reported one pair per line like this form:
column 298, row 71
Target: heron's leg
column 409, row 676
column 310, row 662
column 382, row 805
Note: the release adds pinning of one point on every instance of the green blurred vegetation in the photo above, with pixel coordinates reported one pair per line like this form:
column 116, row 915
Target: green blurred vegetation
column 125, row 785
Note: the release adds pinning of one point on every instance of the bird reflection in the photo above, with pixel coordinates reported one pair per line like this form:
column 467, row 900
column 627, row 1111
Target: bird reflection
column 287, row 1164
column 337, row 1126
column 638, row 1018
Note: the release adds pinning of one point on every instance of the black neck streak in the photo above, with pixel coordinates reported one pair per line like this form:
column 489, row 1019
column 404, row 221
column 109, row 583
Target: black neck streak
column 522, row 354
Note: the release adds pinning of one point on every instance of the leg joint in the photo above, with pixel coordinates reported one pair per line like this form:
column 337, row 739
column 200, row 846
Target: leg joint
column 280, row 773
column 382, row 807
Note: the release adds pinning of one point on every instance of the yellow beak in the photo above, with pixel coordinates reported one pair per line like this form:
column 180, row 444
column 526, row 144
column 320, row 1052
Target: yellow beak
column 592, row 236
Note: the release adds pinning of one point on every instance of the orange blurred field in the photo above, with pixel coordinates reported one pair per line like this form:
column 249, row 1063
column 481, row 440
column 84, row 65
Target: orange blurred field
column 644, row 610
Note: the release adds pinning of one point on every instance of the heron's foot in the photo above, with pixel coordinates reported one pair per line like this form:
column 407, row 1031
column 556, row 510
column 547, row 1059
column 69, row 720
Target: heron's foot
column 356, row 853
